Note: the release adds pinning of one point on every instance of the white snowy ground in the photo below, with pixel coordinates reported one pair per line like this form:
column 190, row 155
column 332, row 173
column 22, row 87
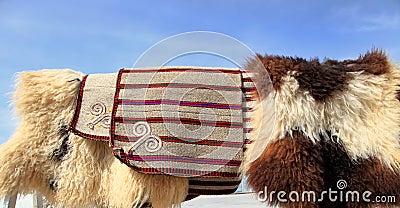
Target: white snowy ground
column 22, row 202
column 225, row 201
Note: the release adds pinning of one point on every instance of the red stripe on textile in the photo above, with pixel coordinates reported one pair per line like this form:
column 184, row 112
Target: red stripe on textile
column 247, row 130
column 246, row 119
column 248, row 141
column 215, row 70
column 194, row 182
column 248, row 99
column 249, row 89
column 180, row 103
column 194, row 191
column 90, row 136
column 247, row 79
column 180, row 120
column 114, row 110
column 186, row 141
column 202, row 142
column 181, row 85
column 78, row 104
column 171, row 158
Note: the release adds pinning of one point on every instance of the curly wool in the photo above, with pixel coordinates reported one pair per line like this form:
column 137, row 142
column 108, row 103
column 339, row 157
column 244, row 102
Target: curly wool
column 87, row 174
column 364, row 113
column 326, row 127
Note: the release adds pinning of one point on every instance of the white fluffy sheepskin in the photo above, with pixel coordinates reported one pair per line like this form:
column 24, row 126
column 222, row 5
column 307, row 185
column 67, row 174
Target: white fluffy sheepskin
column 89, row 174
column 368, row 108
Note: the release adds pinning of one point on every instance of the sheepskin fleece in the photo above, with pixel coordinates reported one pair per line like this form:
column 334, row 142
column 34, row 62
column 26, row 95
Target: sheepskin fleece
column 68, row 170
column 332, row 120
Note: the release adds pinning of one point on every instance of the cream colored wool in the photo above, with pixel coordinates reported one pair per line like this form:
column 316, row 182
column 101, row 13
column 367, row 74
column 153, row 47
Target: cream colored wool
column 264, row 124
column 365, row 116
column 89, row 174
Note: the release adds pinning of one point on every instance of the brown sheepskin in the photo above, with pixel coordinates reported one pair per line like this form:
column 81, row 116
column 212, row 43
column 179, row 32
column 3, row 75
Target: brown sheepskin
column 363, row 175
column 293, row 163
column 335, row 121
column 321, row 79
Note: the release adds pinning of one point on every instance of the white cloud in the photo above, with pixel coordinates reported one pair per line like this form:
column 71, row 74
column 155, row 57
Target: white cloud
column 364, row 17
column 379, row 22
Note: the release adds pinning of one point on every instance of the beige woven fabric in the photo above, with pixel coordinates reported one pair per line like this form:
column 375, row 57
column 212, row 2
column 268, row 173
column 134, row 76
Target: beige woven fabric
column 174, row 120
column 93, row 116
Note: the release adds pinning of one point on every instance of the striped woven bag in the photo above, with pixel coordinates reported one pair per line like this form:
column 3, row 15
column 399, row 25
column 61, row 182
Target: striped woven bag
column 181, row 121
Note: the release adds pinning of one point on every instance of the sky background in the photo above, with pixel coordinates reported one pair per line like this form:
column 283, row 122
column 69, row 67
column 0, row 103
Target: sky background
column 105, row 35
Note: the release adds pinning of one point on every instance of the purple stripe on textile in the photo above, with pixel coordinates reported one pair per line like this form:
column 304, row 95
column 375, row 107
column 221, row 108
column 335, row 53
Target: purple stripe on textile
column 180, row 103
column 211, row 70
column 171, row 158
column 181, row 85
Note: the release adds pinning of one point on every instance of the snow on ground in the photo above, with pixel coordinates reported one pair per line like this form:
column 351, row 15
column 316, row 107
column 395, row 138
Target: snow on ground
column 22, row 202
column 225, row 201
column 247, row 200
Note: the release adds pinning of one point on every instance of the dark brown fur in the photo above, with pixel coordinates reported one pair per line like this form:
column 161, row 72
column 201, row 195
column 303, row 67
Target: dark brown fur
column 297, row 164
column 60, row 152
column 374, row 62
column 363, row 175
column 336, row 166
column 269, row 69
column 289, row 164
column 321, row 80
column 371, row 175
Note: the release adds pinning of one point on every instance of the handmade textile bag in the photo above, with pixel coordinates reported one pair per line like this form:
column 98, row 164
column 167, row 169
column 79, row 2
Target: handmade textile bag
column 181, row 121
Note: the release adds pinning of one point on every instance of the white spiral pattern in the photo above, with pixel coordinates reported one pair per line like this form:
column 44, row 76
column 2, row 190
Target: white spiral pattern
column 152, row 143
column 141, row 129
column 341, row 184
column 98, row 109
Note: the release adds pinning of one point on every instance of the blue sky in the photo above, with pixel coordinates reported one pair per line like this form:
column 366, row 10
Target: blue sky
column 105, row 35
